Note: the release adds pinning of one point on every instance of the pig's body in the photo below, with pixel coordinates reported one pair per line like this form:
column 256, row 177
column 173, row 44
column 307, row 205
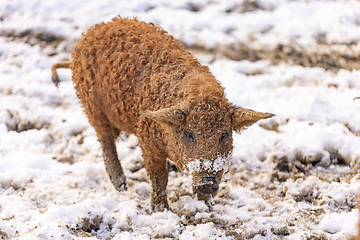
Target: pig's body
column 133, row 77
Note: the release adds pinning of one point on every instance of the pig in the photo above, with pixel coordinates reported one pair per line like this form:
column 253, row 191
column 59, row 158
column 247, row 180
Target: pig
column 133, row 77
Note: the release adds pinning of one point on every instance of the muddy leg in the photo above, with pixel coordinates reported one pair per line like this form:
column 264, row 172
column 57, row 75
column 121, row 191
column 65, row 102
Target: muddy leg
column 112, row 164
column 158, row 173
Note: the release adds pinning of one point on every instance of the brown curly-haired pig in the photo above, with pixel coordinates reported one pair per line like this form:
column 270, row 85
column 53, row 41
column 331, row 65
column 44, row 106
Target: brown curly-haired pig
column 134, row 77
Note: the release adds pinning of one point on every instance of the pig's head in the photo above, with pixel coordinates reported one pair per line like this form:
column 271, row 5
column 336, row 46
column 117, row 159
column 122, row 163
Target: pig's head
column 199, row 138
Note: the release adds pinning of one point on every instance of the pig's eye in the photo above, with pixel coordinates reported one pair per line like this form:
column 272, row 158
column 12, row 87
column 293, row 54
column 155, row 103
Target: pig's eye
column 224, row 136
column 189, row 136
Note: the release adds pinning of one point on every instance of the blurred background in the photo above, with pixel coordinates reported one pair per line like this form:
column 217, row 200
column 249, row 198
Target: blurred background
column 295, row 176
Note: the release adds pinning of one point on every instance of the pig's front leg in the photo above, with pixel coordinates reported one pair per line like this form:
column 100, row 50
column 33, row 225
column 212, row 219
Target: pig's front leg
column 158, row 173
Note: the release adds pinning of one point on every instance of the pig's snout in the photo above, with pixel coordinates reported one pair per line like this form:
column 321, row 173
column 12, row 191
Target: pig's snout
column 208, row 185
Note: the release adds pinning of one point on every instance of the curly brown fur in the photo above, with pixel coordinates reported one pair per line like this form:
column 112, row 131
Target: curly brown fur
column 134, row 77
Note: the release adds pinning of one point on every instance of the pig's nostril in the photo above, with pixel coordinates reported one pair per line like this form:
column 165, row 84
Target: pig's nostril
column 208, row 185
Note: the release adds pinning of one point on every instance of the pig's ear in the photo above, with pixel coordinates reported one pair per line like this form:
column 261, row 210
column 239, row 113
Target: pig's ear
column 243, row 117
column 172, row 115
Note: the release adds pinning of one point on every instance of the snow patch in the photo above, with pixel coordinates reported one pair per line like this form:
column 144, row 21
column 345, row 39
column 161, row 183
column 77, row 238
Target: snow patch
column 341, row 222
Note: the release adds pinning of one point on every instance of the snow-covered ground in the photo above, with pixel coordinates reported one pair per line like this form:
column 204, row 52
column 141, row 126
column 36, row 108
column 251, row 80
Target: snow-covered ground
column 295, row 176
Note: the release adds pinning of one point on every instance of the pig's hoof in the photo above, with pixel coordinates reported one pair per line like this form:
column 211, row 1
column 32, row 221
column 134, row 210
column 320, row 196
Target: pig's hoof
column 160, row 207
column 120, row 184
column 123, row 186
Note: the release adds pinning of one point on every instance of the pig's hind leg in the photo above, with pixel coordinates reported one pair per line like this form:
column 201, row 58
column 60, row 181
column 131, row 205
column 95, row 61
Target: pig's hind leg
column 107, row 136
column 112, row 163
column 105, row 132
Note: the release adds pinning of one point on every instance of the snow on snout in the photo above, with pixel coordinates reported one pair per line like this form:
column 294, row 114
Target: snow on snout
column 201, row 165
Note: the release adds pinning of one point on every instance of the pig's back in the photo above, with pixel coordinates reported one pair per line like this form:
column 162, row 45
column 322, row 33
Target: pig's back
column 130, row 66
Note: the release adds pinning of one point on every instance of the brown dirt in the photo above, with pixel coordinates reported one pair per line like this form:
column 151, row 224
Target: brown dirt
column 328, row 56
